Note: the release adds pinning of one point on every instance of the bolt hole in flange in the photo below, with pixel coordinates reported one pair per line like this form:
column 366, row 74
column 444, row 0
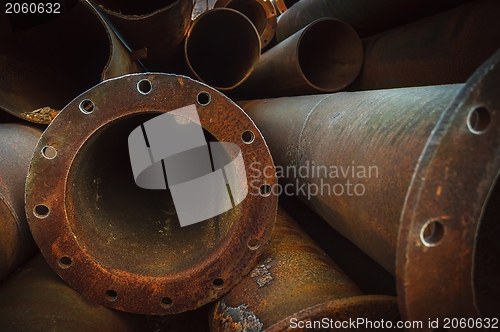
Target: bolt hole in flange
column 478, row 120
column 144, row 87
column 166, row 302
column 218, row 283
column 247, row 137
column 86, row 106
column 265, row 190
column 203, row 98
column 432, row 233
column 253, row 244
column 111, row 295
column 41, row 211
column 48, row 152
column 65, row 262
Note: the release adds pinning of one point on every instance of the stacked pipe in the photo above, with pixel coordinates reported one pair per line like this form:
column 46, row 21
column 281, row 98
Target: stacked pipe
column 153, row 196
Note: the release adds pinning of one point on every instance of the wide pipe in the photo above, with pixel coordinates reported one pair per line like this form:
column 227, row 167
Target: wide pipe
column 325, row 56
column 441, row 49
column 121, row 242
column 261, row 12
column 36, row 299
column 17, row 142
column 362, row 161
column 45, row 66
column 362, row 15
column 158, row 26
column 222, row 48
column 295, row 281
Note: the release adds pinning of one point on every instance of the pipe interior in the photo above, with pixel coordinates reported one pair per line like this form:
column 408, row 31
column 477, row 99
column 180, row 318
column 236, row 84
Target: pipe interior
column 132, row 7
column 222, row 48
column 329, row 55
column 486, row 273
column 125, row 227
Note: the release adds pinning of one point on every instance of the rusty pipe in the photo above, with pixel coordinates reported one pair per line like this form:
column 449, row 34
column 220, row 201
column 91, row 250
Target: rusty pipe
column 361, row 160
column 363, row 15
column 158, row 26
column 325, row 56
column 260, row 12
column 36, row 299
column 222, row 48
column 294, row 281
column 441, row 49
column 46, row 66
column 121, row 245
column 17, row 142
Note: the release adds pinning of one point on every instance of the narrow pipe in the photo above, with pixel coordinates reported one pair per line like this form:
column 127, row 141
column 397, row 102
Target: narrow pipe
column 36, row 299
column 363, row 15
column 325, row 56
column 442, row 49
column 295, row 281
column 44, row 67
column 17, row 142
column 222, row 48
column 261, row 12
column 392, row 171
column 158, row 26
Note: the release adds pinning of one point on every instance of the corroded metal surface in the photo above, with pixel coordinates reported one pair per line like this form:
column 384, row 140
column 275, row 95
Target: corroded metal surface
column 295, row 279
column 394, row 133
column 17, row 142
column 222, row 48
column 325, row 56
column 441, row 49
column 36, row 299
column 121, row 245
column 385, row 130
column 261, row 12
column 158, row 26
column 46, row 66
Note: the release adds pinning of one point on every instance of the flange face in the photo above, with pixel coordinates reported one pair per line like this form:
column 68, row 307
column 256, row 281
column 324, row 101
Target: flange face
column 447, row 225
column 122, row 245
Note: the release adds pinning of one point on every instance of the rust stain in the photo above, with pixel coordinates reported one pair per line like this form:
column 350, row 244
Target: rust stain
column 261, row 273
column 43, row 115
column 238, row 318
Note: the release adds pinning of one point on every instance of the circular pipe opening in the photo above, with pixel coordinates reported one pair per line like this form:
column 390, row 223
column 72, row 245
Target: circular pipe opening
column 486, row 274
column 222, row 48
column 330, row 55
column 125, row 227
